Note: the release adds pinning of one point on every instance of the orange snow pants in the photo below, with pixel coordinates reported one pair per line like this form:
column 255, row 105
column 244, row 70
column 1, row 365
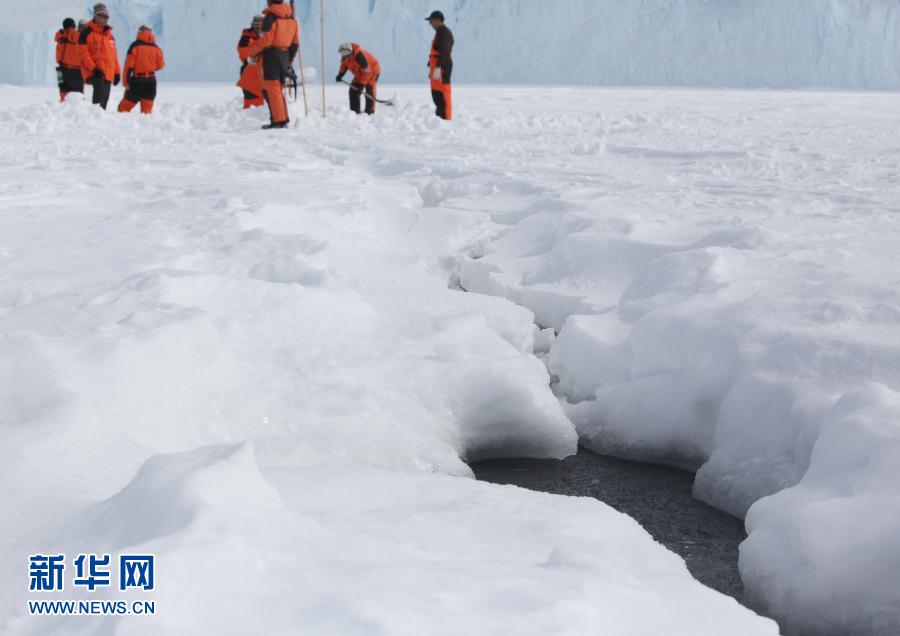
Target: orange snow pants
column 441, row 91
column 126, row 106
column 140, row 89
column 272, row 74
column 251, row 84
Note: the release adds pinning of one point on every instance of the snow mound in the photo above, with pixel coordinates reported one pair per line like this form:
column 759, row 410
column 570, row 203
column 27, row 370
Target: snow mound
column 367, row 551
column 833, row 535
column 721, row 278
column 720, row 273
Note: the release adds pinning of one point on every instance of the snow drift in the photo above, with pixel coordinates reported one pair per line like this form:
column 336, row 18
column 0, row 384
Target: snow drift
column 215, row 346
column 712, row 276
column 738, row 43
column 356, row 551
column 720, row 271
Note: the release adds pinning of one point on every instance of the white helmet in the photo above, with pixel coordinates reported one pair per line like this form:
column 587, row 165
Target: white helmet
column 345, row 49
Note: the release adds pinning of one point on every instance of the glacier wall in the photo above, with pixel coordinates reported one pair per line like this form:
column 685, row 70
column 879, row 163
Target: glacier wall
column 850, row 44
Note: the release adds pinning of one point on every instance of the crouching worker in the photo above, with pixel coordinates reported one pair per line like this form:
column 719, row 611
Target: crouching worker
column 143, row 61
column 278, row 44
column 68, row 60
column 250, row 82
column 366, row 71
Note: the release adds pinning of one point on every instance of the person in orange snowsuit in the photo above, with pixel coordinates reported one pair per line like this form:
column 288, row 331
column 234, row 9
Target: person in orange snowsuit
column 440, row 66
column 143, row 61
column 99, row 58
column 366, row 71
column 61, row 37
column 68, row 60
column 250, row 81
column 278, row 44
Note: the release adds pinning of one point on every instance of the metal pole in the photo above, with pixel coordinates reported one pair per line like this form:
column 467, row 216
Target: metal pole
column 300, row 56
column 322, row 78
column 303, row 81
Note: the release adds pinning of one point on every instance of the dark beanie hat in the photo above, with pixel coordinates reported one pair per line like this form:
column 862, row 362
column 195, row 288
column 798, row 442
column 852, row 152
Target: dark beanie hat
column 68, row 23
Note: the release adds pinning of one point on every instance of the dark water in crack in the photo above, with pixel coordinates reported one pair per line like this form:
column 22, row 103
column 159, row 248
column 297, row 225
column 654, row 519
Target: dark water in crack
column 658, row 497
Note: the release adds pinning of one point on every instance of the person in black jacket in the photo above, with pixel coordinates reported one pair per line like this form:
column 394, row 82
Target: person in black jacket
column 440, row 66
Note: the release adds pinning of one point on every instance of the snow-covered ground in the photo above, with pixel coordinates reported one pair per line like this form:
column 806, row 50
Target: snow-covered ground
column 247, row 353
column 239, row 351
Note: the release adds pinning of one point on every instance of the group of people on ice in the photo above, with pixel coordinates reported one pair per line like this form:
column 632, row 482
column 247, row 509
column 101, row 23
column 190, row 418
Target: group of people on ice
column 86, row 54
column 268, row 48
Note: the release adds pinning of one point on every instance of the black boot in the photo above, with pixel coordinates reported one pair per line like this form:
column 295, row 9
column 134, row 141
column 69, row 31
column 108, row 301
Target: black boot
column 275, row 125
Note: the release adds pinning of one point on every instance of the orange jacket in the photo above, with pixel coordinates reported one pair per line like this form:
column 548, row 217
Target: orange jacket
column 248, row 37
column 61, row 40
column 249, row 80
column 280, row 30
column 98, row 51
column 68, row 53
column 363, row 65
column 144, row 57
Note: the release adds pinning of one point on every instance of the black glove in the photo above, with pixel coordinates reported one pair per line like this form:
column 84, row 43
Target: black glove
column 339, row 78
column 116, row 80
